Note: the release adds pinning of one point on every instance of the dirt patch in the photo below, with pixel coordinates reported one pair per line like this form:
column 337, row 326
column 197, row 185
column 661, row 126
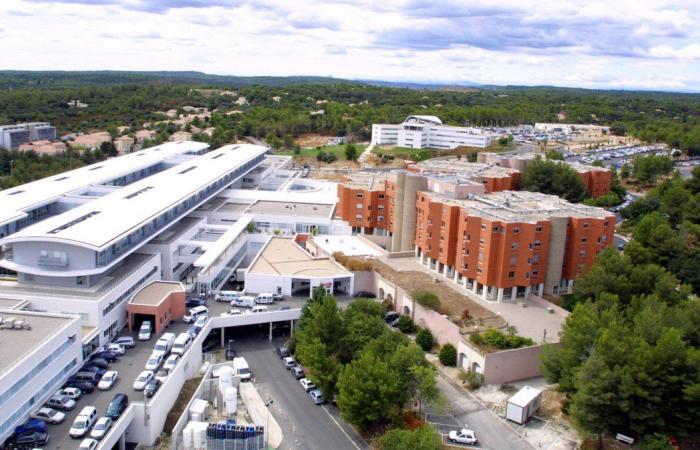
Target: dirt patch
column 452, row 302
column 552, row 405
column 313, row 140
column 185, row 396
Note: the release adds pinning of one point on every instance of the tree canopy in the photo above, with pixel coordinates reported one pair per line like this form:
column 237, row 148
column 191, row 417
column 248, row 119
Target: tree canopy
column 551, row 177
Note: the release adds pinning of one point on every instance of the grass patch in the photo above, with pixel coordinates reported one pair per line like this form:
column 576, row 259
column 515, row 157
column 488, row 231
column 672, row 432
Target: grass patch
column 311, row 152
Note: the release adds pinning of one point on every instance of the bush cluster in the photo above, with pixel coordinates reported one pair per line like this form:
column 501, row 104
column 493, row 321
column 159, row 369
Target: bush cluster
column 427, row 299
column 406, row 325
column 448, row 355
column 472, row 380
column 424, row 339
column 326, row 157
column 352, row 264
column 498, row 339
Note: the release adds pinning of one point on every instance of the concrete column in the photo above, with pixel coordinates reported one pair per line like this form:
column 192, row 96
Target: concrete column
column 464, row 281
column 416, row 250
column 122, row 442
column 362, row 230
column 514, row 294
column 291, row 328
column 499, row 297
column 269, row 337
column 527, row 291
column 444, row 269
column 485, row 292
column 456, row 277
column 475, row 287
column 570, row 287
column 540, row 289
column 223, row 337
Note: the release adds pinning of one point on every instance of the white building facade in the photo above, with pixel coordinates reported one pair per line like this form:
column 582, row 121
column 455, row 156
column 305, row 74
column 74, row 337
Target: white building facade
column 429, row 131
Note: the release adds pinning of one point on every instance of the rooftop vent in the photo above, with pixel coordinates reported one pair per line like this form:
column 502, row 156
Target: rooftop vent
column 10, row 323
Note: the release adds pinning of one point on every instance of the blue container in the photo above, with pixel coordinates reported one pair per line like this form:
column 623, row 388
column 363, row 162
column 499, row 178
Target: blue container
column 211, row 431
column 221, row 431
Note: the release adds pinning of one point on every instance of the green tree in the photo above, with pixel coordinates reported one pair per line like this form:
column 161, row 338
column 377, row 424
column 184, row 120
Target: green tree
column 424, row 339
column 552, row 177
column 647, row 169
column 423, row 438
column 350, row 152
column 448, row 355
column 555, row 155
column 368, row 390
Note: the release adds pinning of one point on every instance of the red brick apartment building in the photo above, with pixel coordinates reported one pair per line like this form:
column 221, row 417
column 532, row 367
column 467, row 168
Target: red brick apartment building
column 508, row 244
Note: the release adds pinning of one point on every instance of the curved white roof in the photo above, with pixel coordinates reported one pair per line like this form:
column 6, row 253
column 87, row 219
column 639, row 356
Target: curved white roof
column 417, row 118
column 101, row 222
column 16, row 201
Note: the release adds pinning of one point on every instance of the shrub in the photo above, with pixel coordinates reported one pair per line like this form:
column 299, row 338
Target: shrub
column 406, row 325
column 496, row 338
column 427, row 299
column 465, row 314
column 424, row 339
column 472, row 380
column 476, row 338
column 448, row 355
column 423, row 438
column 655, row 442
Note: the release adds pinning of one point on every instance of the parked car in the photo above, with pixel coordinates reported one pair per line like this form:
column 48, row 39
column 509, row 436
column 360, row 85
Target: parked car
column 145, row 330
column 463, row 436
column 194, row 313
column 114, row 348
column 230, row 351
column 30, row 439
column 70, row 392
column 82, row 424
column 307, row 384
column 101, row 428
column 232, row 312
column 154, row 361
column 264, row 299
column 244, row 301
column 391, row 316
column 88, row 444
column 201, row 321
column 171, row 362
column 143, row 379
column 49, row 415
column 365, row 294
column 107, row 356
column 125, row 341
column 31, row 425
column 297, row 372
column 192, row 302
column 152, row 387
column 118, row 405
column 61, row 402
column 258, row 309
column 93, row 369
column 317, row 396
column 277, row 297
column 283, row 352
column 85, row 386
column 99, row 362
column 162, row 374
column 289, row 362
column 108, row 380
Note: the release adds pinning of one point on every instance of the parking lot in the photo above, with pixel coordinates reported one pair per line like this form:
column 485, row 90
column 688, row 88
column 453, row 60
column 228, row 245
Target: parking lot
column 305, row 425
column 129, row 366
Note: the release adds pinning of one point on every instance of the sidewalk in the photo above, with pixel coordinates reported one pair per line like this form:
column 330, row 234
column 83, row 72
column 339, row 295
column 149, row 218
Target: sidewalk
column 365, row 154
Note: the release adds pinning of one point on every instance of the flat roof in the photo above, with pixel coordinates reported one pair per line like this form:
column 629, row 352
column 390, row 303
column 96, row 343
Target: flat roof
column 463, row 168
column 9, row 303
column 233, row 207
column 370, row 181
column 348, row 245
column 212, row 251
column 154, row 293
column 295, row 209
column 524, row 396
column 282, row 256
column 99, row 223
column 14, row 201
column 175, row 231
column 16, row 344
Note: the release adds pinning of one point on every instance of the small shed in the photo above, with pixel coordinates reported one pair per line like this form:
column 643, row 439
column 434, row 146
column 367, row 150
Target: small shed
column 159, row 302
column 523, row 405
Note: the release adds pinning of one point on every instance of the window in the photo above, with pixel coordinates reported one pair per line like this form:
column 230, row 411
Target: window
column 495, row 229
column 381, row 196
column 534, row 273
column 585, row 225
column 483, row 226
column 358, row 206
column 516, row 230
column 538, row 228
column 537, row 244
column 514, row 245
column 513, row 260
column 360, row 195
column 380, row 218
column 511, row 275
column 603, row 238
column 582, row 253
column 358, row 216
column 605, row 224
column 369, row 207
column 584, row 239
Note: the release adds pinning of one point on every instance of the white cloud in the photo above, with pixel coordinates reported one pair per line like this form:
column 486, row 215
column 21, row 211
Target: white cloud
column 625, row 43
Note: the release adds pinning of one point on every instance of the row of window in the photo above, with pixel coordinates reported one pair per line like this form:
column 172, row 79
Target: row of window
column 129, row 291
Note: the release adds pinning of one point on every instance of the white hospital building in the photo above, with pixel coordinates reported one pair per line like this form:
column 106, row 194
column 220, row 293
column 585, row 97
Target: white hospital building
column 429, row 131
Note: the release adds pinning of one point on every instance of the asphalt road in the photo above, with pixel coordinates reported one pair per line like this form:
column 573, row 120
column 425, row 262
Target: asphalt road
column 491, row 431
column 304, row 425
column 129, row 366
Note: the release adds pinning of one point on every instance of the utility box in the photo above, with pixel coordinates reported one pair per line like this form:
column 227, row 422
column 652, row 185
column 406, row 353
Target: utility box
column 523, row 405
column 198, row 410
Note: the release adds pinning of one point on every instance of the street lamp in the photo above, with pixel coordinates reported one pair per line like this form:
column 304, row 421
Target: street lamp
column 267, row 426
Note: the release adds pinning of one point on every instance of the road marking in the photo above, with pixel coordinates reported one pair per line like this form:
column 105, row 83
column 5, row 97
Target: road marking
column 341, row 428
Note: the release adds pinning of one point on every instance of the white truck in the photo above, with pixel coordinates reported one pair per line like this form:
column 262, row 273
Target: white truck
column 523, row 405
column 241, row 368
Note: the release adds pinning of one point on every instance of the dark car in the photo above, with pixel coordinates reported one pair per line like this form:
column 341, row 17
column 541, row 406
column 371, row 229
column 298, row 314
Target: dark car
column 32, row 425
column 283, row 352
column 85, row 386
column 90, row 368
column 99, row 362
column 298, row 372
column 151, row 388
column 230, row 351
column 90, row 377
column 29, row 439
column 365, row 294
column 391, row 316
column 107, row 356
column 192, row 302
column 125, row 341
column 117, row 406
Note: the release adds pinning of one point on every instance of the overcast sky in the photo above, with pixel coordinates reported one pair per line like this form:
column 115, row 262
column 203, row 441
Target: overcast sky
column 610, row 44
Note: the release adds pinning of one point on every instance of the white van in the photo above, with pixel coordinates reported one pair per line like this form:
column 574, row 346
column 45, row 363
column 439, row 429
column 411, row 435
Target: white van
column 265, row 299
column 258, row 309
column 244, row 302
column 164, row 344
column 194, row 313
column 181, row 344
column 241, row 368
column 145, row 330
column 228, row 296
column 82, row 424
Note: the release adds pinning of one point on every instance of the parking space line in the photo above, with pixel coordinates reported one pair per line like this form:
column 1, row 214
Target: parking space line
column 341, row 428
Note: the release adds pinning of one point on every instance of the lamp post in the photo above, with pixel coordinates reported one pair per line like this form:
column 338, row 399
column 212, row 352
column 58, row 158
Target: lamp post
column 267, row 426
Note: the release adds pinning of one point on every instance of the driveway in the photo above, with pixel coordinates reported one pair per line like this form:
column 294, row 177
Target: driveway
column 305, row 425
column 492, row 432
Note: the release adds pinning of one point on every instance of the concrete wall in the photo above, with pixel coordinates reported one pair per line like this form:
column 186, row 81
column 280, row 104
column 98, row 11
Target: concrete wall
column 555, row 253
column 512, row 365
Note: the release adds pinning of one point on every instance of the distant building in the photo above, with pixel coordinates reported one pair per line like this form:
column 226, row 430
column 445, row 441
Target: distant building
column 428, row 131
column 180, row 136
column 241, row 101
column 123, row 144
column 571, row 128
column 44, row 147
column 92, row 140
column 12, row 136
column 77, row 104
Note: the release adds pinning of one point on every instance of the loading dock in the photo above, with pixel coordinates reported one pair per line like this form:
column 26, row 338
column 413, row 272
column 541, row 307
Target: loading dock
column 160, row 302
